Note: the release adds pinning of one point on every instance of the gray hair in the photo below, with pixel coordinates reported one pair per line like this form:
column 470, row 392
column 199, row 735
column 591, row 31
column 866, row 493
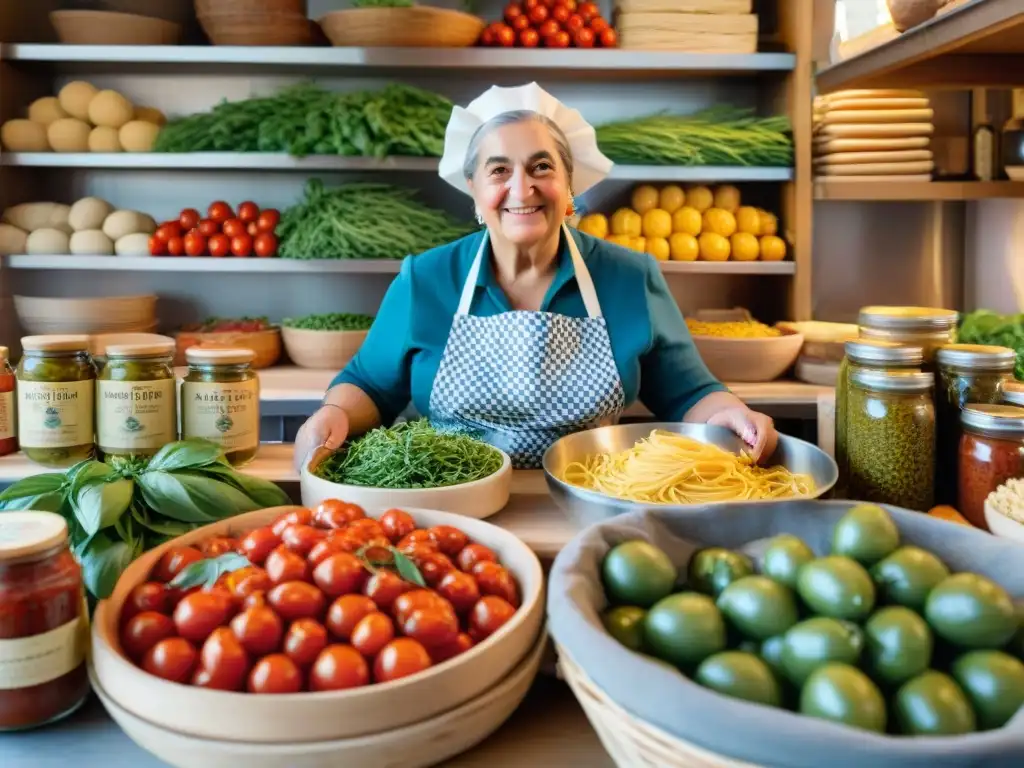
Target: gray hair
column 513, row 118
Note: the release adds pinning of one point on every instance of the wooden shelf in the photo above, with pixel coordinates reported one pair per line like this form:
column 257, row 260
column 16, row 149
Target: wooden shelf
column 887, row 191
column 978, row 44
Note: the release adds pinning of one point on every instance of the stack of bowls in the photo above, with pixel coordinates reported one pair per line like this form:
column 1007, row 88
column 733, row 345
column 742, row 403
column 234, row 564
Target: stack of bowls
column 255, row 22
column 415, row 721
column 113, row 314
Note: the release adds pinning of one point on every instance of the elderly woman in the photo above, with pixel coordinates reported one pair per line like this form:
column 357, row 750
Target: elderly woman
column 529, row 330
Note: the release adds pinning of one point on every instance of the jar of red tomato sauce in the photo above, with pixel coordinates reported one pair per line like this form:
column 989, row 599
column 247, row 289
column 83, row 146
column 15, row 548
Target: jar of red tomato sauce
column 991, row 452
column 43, row 622
column 8, row 441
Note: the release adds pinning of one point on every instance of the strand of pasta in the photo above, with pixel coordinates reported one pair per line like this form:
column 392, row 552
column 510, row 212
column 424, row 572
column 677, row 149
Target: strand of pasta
column 670, row 468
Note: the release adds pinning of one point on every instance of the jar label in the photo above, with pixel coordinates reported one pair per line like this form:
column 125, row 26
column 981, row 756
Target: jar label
column 28, row 661
column 136, row 415
column 6, row 415
column 226, row 414
column 55, row 414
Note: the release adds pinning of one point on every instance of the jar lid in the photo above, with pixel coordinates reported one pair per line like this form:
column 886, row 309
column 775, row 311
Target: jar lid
column 993, row 418
column 224, row 355
column 977, row 356
column 152, row 349
column 870, row 351
column 1013, row 392
column 71, row 343
column 893, row 381
column 908, row 318
column 27, row 533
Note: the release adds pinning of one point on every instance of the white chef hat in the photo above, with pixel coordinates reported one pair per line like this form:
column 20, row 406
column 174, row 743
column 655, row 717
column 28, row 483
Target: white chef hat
column 589, row 165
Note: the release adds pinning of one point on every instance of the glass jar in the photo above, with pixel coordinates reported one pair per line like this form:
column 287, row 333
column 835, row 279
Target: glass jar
column 925, row 327
column 136, row 400
column 56, row 392
column 1013, row 392
column 865, row 354
column 220, row 401
column 968, row 373
column 43, row 622
column 8, row 415
column 991, row 452
column 890, row 434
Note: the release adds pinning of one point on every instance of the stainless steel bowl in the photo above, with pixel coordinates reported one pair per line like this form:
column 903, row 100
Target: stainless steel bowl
column 588, row 507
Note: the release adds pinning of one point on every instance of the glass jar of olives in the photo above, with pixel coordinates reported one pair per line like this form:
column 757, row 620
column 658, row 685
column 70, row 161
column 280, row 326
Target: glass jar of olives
column 991, row 452
column 136, row 399
column 891, row 438
column 968, row 373
column 56, row 391
column 925, row 327
column 220, row 401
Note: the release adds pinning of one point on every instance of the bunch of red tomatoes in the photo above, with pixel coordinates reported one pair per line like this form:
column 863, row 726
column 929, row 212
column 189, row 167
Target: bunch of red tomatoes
column 552, row 23
column 224, row 232
column 318, row 607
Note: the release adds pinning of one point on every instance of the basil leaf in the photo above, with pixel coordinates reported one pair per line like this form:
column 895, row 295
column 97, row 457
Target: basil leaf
column 99, row 504
column 35, row 485
column 206, row 572
column 185, row 454
column 85, row 471
column 103, row 561
column 407, row 568
column 263, row 492
column 45, row 502
column 192, row 498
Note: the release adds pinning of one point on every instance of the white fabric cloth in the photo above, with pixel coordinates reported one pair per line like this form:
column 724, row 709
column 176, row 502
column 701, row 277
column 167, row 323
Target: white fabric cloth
column 590, row 165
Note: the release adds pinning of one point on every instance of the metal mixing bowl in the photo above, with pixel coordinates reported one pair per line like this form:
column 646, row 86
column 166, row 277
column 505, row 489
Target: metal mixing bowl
column 588, row 507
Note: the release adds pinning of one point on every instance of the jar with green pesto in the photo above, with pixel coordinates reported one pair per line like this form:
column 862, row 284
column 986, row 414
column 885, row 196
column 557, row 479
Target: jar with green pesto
column 865, row 354
column 968, row 374
column 220, row 401
column 136, row 399
column 925, row 327
column 56, row 394
column 890, row 433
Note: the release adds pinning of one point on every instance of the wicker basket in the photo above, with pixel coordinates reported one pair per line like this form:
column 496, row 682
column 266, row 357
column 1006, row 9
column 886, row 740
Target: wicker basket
column 254, row 7
column 106, row 28
column 420, row 26
column 631, row 742
column 258, row 29
column 266, row 344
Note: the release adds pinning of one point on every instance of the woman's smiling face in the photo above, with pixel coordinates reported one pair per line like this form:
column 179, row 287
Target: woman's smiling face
column 520, row 184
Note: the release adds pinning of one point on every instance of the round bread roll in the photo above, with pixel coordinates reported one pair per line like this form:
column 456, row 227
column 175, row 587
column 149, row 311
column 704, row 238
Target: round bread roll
column 69, row 135
column 104, row 139
column 75, row 98
column 138, row 136
column 24, row 136
column 46, row 110
column 151, row 115
column 110, row 109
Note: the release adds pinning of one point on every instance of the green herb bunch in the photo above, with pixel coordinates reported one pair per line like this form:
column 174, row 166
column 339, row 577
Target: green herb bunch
column 984, row 326
column 119, row 508
column 334, row 321
column 410, row 455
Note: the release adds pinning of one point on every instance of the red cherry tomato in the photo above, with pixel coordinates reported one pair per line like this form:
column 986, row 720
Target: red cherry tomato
column 495, row 579
column 220, row 212
column 414, row 600
column 538, row 14
column 487, row 37
column 488, row 616
column 397, row 524
column 275, row 674
column 246, row 581
column 346, row 612
column 512, row 12
column 340, row 574
column 588, row 11
column 597, row 25
column 195, row 244
column 505, row 36
column 324, row 549
column 300, row 538
column 608, row 38
column 168, row 230
column 433, row 566
column 367, row 528
column 157, row 247
column 199, row 613
column 472, row 554
column 283, row 565
column 172, row 659
column 265, row 243
column 258, row 629
column 417, row 541
column 257, row 544
column 176, row 246
column 209, row 228
column 248, row 211
column 574, row 22
column 560, row 39
column 561, row 14
column 188, row 219
column 431, row 626
column 400, row 658
column 372, row 633
column 304, row 641
column 217, row 546
column 143, row 631
column 233, row 227
column 449, row 539
column 174, row 561
column 301, row 515
column 296, row 600
column 252, row 229
column 385, row 587
column 584, row 38
column 268, row 220
column 460, row 589
column 149, row 596
column 332, row 513
column 520, row 24
column 338, row 667
column 442, row 653
column 549, row 28
column 224, row 661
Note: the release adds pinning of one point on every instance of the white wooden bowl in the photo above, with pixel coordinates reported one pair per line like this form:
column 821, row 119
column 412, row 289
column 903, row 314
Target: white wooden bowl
column 749, row 360
column 1000, row 525
column 479, row 499
column 426, row 743
column 321, row 349
column 323, row 716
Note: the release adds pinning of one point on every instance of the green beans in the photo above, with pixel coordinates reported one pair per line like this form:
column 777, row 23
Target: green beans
column 717, row 136
column 335, row 321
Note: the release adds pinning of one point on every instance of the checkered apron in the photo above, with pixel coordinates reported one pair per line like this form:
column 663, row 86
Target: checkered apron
column 520, row 380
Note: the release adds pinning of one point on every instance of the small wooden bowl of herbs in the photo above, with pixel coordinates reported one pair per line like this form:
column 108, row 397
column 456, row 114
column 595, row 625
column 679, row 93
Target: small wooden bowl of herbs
column 324, row 341
column 412, row 465
column 255, row 333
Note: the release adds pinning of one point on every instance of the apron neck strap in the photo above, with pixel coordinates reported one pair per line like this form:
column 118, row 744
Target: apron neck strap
column 586, row 284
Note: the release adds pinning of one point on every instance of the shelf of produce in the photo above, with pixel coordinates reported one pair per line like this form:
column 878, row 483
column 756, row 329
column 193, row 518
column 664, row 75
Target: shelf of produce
column 320, row 266
column 978, row 44
column 271, row 161
column 247, row 60
column 888, row 191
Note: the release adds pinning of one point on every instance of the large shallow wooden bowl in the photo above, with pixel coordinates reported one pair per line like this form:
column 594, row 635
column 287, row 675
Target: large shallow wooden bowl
column 749, row 360
column 258, row 29
column 420, row 26
column 265, row 344
column 111, row 314
column 306, row 717
column 330, row 350
column 479, row 499
column 108, row 28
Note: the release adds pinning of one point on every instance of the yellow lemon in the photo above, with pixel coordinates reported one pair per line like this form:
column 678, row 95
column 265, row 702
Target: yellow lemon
column 769, row 222
column 623, row 240
column 727, row 197
column 672, row 198
column 594, row 224
column 713, row 247
column 719, row 221
column 657, row 223
column 772, row 248
column 626, row 222
column 700, row 198
column 687, row 220
column 658, row 248
column 638, row 243
column 683, row 247
column 748, row 220
column 745, row 247
column 644, row 198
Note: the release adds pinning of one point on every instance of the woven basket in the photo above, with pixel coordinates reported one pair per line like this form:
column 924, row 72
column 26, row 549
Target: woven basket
column 258, row 29
column 631, row 742
column 420, row 26
column 258, row 7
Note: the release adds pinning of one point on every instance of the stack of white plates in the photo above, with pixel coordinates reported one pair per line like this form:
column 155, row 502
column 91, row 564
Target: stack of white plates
column 115, row 314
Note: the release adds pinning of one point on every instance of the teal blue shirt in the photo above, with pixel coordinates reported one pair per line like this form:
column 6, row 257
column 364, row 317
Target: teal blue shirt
column 657, row 360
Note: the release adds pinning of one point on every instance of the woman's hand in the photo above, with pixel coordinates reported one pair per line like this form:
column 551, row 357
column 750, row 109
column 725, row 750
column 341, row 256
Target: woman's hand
column 755, row 429
column 328, row 427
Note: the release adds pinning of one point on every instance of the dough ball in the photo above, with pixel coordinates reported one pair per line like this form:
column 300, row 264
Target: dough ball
column 138, row 136
column 104, row 139
column 110, row 109
column 46, row 110
column 69, row 135
column 24, row 136
column 75, row 98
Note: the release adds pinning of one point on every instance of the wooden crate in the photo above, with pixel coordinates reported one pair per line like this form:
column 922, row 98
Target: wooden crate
column 694, row 26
